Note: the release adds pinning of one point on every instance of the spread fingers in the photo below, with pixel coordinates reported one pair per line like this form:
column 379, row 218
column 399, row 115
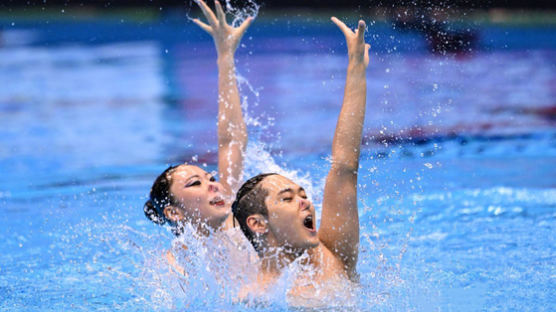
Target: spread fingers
column 245, row 24
column 204, row 26
column 220, row 13
column 342, row 26
column 207, row 12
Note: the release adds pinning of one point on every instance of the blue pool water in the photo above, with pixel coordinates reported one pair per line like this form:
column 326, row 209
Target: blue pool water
column 457, row 178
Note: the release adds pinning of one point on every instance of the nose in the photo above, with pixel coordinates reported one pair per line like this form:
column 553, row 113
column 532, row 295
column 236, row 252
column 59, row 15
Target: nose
column 304, row 204
column 213, row 187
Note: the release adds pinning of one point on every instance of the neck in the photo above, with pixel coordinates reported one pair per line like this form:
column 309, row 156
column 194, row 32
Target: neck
column 229, row 222
column 201, row 227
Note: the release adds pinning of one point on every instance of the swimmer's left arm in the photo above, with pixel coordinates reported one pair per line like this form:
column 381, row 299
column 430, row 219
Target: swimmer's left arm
column 232, row 132
column 339, row 230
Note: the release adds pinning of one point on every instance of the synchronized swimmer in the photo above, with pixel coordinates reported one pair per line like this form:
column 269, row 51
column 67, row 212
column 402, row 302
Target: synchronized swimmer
column 273, row 212
column 187, row 194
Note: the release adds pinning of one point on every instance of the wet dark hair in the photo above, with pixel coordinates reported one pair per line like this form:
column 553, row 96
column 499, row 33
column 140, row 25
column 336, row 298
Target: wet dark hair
column 249, row 201
column 160, row 197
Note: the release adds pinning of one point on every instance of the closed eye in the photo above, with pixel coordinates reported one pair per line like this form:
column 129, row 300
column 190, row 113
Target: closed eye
column 194, row 183
column 287, row 199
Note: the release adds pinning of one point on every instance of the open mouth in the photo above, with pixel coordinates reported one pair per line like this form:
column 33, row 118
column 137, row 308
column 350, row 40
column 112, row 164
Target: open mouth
column 309, row 223
column 217, row 201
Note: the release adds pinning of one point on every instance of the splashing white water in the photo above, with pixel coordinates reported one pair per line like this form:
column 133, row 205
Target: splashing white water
column 238, row 14
column 250, row 8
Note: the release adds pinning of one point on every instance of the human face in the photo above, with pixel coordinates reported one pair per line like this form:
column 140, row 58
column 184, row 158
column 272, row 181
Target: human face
column 291, row 216
column 199, row 196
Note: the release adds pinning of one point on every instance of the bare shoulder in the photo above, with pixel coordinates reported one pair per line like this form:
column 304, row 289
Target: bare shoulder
column 332, row 267
column 326, row 262
column 327, row 282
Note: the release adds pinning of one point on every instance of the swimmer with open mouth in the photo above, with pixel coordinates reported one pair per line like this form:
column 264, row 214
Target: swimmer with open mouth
column 278, row 219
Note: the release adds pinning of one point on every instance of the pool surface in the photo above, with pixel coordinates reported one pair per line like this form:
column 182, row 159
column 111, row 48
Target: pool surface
column 457, row 179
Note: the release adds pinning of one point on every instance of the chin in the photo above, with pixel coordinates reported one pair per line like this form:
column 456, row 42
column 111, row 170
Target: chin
column 216, row 221
column 315, row 244
column 312, row 243
column 214, row 215
column 221, row 217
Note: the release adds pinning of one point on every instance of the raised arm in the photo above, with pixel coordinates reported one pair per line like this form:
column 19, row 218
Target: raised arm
column 232, row 132
column 339, row 230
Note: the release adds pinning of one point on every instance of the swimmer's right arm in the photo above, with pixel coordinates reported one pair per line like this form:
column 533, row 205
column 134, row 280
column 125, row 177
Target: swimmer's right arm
column 232, row 132
column 339, row 229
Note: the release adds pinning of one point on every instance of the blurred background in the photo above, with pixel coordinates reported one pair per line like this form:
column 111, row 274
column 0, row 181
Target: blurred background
column 546, row 4
column 458, row 168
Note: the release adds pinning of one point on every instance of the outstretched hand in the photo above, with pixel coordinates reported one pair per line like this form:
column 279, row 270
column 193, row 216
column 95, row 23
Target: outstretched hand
column 226, row 38
column 358, row 50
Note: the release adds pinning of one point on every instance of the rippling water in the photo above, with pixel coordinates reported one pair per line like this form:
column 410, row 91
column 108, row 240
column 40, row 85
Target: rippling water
column 457, row 178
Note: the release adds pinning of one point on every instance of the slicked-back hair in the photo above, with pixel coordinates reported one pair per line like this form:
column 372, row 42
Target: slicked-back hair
column 249, row 201
column 160, row 197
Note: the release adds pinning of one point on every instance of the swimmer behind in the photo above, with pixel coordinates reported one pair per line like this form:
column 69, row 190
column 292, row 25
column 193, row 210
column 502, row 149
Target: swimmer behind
column 186, row 194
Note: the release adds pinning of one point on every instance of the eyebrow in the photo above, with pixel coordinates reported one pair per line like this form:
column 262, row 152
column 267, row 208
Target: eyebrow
column 193, row 176
column 197, row 176
column 290, row 190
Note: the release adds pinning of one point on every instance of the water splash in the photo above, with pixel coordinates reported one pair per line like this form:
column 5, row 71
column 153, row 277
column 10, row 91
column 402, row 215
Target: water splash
column 238, row 13
column 249, row 8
